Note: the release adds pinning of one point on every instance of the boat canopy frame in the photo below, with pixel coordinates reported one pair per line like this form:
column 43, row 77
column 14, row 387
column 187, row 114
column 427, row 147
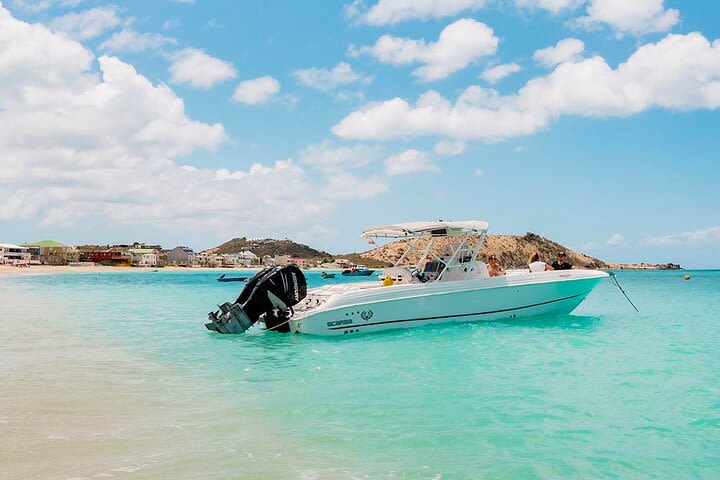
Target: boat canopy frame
column 463, row 231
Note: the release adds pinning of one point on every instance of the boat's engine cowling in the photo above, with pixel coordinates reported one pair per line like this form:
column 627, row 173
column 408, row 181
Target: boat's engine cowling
column 272, row 292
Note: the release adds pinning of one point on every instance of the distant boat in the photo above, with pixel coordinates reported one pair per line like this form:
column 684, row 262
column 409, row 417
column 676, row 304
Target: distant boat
column 327, row 275
column 223, row 278
column 358, row 271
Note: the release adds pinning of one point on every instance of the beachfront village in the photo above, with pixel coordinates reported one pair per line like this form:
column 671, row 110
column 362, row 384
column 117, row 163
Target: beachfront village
column 49, row 252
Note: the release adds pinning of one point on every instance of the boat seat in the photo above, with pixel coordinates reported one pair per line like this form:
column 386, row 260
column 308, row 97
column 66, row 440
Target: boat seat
column 398, row 274
column 466, row 270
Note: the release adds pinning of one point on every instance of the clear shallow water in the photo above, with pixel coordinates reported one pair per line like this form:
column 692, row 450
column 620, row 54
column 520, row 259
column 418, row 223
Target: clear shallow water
column 113, row 374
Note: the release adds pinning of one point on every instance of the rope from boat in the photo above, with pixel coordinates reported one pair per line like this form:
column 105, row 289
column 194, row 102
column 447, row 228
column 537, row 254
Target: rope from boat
column 612, row 274
column 292, row 314
column 279, row 324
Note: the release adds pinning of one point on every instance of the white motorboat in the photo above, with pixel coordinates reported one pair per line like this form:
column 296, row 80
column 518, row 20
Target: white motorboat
column 438, row 279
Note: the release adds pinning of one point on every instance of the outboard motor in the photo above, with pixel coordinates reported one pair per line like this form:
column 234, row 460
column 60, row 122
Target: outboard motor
column 271, row 292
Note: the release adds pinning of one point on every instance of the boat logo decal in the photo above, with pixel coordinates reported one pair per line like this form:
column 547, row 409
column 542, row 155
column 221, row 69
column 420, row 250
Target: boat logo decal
column 339, row 322
column 366, row 315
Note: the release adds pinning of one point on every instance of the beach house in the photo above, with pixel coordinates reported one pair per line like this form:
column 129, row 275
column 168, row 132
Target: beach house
column 50, row 252
column 180, row 255
column 11, row 254
column 241, row 259
column 104, row 254
column 144, row 257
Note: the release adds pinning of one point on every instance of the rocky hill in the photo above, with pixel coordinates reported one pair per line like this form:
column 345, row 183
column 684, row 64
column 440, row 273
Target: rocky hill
column 269, row 246
column 513, row 251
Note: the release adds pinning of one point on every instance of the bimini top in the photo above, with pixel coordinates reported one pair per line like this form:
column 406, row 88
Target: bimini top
column 436, row 229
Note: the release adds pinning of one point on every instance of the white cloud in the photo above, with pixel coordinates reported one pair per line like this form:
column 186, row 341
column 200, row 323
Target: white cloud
column 198, row 69
column 346, row 186
column 116, row 159
column 565, row 50
column 86, row 24
column 680, row 72
column 128, row 40
column 459, row 44
column 41, row 5
column 257, row 90
column 707, row 235
column 636, row 17
column 387, row 12
column 171, row 24
column 449, row 148
column 616, row 239
column 497, row 73
column 409, row 161
column 553, row 6
column 327, row 157
column 478, row 173
column 336, row 162
column 327, row 80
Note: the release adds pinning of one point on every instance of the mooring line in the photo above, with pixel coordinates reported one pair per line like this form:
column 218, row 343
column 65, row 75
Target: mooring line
column 612, row 274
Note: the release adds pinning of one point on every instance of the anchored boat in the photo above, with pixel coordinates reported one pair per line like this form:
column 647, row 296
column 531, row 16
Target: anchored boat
column 223, row 278
column 358, row 271
column 438, row 279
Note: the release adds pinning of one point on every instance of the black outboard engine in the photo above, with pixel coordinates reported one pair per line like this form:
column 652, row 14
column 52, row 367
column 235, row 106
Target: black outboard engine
column 271, row 292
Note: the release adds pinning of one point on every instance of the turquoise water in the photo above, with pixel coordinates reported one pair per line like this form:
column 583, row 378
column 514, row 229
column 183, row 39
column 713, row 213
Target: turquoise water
column 114, row 374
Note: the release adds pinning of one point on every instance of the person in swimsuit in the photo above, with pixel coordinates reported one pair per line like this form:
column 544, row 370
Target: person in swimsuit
column 494, row 268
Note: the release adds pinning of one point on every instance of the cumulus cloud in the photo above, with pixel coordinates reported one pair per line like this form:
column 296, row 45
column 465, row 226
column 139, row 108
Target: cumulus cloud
column 346, row 186
column 328, row 79
column 198, row 69
column 86, row 24
column 563, row 51
column 328, row 157
column 459, row 44
column 41, row 5
column 116, row 156
column 388, row 12
column 449, row 148
column 257, row 90
column 128, row 40
column 635, row 17
column 497, row 73
column 707, row 235
column 680, row 72
column 553, row 6
column 409, row 161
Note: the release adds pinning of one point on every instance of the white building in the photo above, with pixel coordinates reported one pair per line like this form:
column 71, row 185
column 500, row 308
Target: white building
column 242, row 259
column 11, row 254
column 144, row 257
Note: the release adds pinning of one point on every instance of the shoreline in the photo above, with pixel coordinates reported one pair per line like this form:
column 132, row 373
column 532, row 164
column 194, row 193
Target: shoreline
column 52, row 269
column 9, row 270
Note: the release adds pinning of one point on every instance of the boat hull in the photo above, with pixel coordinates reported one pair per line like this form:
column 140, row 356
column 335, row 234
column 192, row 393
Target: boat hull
column 450, row 302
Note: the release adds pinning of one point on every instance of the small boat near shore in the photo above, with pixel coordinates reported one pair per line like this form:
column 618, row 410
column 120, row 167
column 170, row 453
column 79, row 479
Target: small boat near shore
column 327, row 275
column 223, row 278
column 358, row 271
column 433, row 282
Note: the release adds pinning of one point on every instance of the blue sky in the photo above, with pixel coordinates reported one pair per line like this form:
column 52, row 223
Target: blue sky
column 192, row 122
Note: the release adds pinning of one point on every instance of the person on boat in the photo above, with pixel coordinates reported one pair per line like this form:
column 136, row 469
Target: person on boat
column 561, row 263
column 494, row 268
column 536, row 265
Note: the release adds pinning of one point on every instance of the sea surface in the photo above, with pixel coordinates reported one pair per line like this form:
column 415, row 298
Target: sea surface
column 113, row 375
